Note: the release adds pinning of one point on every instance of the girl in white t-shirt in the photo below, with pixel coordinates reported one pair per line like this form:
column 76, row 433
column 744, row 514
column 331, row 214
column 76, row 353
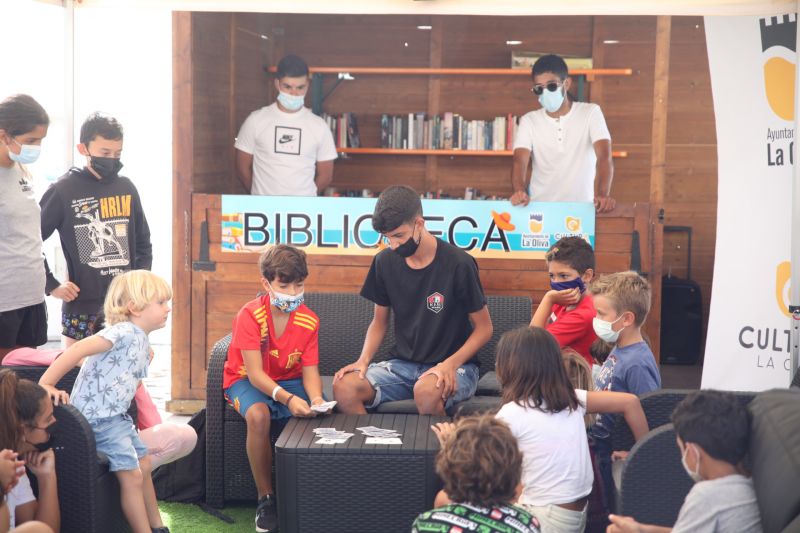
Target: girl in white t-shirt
column 546, row 415
column 26, row 417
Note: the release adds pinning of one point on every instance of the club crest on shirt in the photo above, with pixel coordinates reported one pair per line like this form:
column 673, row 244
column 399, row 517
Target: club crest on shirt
column 435, row 302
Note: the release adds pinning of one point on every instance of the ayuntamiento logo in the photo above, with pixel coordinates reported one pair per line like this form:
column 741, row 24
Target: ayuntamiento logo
column 778, row 43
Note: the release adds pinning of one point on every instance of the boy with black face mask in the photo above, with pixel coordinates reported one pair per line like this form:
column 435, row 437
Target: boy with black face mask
column 440, row 314
column 101, row 224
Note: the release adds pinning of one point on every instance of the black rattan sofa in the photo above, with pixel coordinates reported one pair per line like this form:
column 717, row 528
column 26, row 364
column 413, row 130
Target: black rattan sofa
column 344, row 318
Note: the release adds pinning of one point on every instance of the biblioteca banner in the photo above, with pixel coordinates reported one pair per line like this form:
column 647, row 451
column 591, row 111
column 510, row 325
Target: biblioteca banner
column 752, row 62
column 343, row 226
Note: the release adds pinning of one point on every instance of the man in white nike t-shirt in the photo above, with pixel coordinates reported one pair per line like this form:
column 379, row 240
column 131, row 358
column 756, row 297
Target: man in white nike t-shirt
column 568, row 142
column 284, row 149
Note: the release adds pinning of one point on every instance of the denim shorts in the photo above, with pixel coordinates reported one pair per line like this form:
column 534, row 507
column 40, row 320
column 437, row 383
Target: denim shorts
column 117, row 438
column 243, row 394
column 394, row 380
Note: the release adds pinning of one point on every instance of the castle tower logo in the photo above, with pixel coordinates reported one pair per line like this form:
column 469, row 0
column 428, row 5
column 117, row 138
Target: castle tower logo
column 778, row 43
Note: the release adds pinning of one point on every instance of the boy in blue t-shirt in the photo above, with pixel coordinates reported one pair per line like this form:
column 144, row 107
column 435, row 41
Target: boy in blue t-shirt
column 137, row 303
column 622, row 301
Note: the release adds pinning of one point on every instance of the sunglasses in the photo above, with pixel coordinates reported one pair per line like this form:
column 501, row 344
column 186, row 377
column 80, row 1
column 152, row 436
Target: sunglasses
column 551, row 86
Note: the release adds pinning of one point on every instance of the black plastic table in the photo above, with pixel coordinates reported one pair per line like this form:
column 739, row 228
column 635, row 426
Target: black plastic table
column 354, row 487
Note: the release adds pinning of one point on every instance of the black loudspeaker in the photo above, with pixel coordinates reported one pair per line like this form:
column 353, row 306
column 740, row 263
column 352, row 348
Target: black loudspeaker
column 681, row 313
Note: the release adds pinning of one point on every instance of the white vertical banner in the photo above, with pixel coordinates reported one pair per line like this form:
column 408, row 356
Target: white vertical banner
column 752, row 62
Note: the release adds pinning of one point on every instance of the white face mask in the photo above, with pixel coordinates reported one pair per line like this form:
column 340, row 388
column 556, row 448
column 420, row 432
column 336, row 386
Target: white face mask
column 694, row 474
column 28, row 153
column 603, row 329
column 286, row 302
column 290, row 101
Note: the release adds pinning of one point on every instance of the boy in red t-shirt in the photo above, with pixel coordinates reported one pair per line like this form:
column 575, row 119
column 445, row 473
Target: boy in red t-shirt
column 567, row 310
column 271, row 370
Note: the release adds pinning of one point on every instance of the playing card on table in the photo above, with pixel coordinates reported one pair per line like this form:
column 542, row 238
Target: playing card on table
column 372, row 431
column 331, row 433
column 324, row 407
column 383, row 440
column 328, row 440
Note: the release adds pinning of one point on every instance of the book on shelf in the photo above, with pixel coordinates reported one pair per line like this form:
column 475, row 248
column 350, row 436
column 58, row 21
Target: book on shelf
column 353, row 139
column 344, row 128
column 448, row 131
column 386, row 133
column 522, row 59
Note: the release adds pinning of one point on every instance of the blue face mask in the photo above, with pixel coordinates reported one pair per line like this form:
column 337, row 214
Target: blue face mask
column 571, row 284
column 290, row 101
column 552, row 100
column 286, row 302
column 28, row 153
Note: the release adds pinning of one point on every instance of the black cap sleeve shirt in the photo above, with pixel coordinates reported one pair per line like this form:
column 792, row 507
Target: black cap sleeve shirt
column 431, row 306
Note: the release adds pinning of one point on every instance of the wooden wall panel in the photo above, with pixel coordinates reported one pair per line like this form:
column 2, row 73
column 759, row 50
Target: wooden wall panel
column 480, row 42
column 690, row 196
column 211, row 51
column 251, row 85
column 371, row 40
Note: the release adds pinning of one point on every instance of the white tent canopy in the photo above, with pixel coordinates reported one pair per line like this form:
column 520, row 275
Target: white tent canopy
column 470, row 7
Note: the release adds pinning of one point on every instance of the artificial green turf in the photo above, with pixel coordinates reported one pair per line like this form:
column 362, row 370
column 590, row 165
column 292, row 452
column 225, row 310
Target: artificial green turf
column 181, row 517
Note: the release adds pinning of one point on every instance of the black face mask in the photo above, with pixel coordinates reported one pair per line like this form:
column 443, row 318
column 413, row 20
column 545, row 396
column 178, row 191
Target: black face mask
column 408, row 248
column 50, row 442
column 107, row 167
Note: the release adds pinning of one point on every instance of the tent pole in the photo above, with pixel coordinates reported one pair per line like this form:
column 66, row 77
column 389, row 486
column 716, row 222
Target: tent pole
column 794, row 231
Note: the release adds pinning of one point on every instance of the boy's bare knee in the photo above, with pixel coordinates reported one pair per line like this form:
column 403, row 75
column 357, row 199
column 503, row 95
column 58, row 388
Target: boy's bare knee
column 132, row 479
column 351, row 387
column 146, row 465
column 353, row 393
column 428, row 400
column 33, row 527
column 258, row 418
column 343, row 389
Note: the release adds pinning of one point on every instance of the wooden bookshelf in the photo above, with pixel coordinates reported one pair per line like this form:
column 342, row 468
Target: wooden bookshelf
column 406, row 151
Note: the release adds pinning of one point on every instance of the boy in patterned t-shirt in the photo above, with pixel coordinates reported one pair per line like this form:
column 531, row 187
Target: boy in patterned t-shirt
column 116, row 361
column 481, row 465
column 271, row 371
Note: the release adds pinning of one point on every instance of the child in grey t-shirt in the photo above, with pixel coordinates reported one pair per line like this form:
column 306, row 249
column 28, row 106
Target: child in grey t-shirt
column 713, row 434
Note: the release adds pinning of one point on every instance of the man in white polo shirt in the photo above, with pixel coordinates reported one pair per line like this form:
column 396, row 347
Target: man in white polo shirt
column 284, row 149
column 568, row 142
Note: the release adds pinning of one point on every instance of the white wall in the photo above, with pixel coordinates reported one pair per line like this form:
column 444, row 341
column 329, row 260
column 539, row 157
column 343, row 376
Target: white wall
column 36, row 64
column 123, row 66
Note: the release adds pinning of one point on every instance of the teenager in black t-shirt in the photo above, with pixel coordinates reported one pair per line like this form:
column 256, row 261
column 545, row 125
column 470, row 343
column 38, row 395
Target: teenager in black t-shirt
column 440, row 314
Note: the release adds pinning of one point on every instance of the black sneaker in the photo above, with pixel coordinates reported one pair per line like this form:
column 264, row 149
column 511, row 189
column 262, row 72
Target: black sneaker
column 159, row 529
column 267, row 515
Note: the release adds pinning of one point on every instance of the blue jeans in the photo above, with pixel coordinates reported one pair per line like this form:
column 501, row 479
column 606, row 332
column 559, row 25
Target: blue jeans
column 242, row 394
column 394, row 380
column 117, row 438
column 602, row 450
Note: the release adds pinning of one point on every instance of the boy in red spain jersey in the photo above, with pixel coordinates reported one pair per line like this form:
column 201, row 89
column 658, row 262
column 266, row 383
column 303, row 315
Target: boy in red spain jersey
column 271, row 370
column 567, row 310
